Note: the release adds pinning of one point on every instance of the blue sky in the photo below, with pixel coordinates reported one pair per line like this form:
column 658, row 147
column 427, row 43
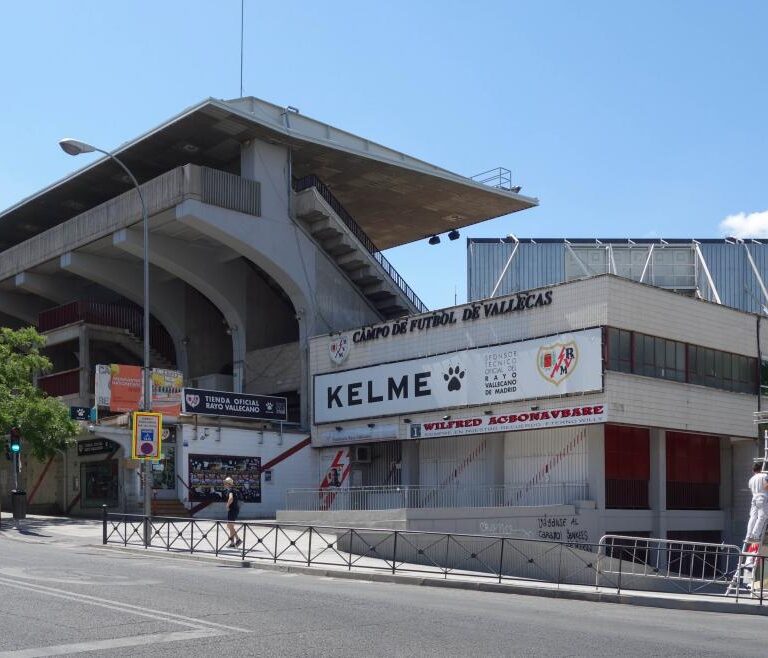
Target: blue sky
column 624, row 119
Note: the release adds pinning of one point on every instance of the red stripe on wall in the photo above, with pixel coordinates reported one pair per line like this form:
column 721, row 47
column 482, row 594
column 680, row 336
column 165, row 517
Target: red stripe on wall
column 39, row 481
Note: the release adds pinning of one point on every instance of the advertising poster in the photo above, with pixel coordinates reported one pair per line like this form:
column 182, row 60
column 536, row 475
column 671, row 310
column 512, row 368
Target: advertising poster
column 120, row 388
column 207, row 473
column 538, row 368
column 166, row 391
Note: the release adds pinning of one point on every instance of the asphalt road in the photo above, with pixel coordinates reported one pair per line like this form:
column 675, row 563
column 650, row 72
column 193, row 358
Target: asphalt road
column 59, row 597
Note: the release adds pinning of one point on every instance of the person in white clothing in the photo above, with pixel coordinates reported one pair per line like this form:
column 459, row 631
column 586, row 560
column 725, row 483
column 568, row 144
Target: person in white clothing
column 758, row 485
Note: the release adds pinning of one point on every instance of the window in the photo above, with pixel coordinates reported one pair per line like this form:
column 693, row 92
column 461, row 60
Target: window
column 693, row 471
column 619, row 350
column 659, row 357
column 627, row 467
column 651, row 356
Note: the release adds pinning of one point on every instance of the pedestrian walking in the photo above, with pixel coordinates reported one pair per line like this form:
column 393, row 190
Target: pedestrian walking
column 233, row 510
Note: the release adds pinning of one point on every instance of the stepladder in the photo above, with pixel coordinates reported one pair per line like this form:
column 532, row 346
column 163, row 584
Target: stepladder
column 751, row 575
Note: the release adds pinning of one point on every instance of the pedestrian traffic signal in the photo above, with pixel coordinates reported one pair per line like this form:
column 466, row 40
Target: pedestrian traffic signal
column 15, row 443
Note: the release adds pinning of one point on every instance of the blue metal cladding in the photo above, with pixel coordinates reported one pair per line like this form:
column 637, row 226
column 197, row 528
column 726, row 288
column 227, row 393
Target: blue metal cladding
column 542, row 263
column 533, row 266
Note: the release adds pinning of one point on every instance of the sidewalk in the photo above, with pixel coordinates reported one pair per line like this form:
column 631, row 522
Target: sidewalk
column 292, row 547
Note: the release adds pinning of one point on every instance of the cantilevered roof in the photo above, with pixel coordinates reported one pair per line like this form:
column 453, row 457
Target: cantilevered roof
column 395, row 198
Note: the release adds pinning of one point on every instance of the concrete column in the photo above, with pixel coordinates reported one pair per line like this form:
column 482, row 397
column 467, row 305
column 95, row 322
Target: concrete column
column 409, row 472
column 596, row 464
column 166, row 299
column 269, row 164
column 657, row 492
column 726, row 489
column 223, row 283
column 84, row 348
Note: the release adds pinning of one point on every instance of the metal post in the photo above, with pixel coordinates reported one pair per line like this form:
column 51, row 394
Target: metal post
column 501, row 558
column 103, row 524
column 309, row 552
column 394, row 554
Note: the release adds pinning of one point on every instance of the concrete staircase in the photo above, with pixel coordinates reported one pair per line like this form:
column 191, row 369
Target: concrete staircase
column 174, row 508
column 345, row 242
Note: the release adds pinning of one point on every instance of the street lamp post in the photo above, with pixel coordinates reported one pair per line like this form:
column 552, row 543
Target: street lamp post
column 75, row 147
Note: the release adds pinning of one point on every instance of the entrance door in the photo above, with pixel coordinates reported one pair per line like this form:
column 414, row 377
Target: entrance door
column 164, row 474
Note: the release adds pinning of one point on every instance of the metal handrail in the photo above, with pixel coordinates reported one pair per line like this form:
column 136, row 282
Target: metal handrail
column 443, row 555
column 301, row 184
column 498, row 177
column 426, row 496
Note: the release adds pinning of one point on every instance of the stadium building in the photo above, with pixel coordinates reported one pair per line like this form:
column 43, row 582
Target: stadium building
column 265, row 229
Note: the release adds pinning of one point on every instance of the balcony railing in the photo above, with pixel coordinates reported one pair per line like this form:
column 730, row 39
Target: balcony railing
column 122, row 316
column 421, row 497
column 626, row 494
column 301, row 184
column 62, row 383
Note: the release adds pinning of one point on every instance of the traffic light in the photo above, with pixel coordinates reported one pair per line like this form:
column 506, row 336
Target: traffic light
column 15, row 442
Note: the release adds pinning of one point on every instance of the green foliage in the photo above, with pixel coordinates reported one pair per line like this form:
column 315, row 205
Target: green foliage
column 44, row 422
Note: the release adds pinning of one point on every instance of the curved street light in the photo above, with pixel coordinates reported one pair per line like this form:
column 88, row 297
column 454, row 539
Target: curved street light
column 76, row 147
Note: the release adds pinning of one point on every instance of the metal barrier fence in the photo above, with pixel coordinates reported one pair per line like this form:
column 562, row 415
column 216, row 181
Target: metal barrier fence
column 610, row 564
column 421, row 497
column 688, row 567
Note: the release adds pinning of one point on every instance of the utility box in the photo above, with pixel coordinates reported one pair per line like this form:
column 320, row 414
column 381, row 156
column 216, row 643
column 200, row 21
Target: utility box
column 19, row 503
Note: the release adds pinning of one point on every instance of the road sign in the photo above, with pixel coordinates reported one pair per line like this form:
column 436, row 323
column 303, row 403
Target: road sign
column 147, row 435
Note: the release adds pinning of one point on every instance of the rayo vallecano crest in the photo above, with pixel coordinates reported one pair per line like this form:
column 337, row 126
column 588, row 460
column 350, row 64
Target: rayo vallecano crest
column 192, row 400
column 339, row 347
column 556, row 362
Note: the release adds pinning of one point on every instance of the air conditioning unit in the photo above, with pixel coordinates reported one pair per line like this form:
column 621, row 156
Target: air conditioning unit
column 362, row 454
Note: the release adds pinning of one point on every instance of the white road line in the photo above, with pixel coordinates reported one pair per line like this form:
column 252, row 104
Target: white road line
column 116, row 643
column 142, row 611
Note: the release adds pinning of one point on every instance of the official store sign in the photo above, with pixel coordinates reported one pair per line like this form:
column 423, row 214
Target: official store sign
column 556, row 365
column 533, row 420
column 240, row 405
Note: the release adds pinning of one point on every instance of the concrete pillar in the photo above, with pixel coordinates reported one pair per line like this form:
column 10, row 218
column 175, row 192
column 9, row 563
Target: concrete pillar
column 224, row 284
column 84, row 349
column 409, row 472
column 657, row 493
column 270, row 165
column 726, row 489
column 166, row 299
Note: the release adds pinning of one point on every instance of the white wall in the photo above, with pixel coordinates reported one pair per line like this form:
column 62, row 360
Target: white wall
column 297, row 471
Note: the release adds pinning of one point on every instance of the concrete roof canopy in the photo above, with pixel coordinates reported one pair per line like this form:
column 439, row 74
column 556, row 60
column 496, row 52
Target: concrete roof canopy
column 394, row 198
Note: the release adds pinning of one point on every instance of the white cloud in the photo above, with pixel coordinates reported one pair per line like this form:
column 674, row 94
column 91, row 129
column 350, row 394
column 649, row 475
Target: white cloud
column 746, row 225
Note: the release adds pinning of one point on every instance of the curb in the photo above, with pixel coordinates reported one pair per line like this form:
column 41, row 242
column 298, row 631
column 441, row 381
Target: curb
column 634, row 598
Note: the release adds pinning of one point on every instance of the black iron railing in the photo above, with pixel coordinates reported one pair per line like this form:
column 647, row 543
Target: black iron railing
column 616, row 563
column 301, row 184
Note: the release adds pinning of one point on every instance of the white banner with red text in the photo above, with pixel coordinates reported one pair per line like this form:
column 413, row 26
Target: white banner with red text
column 581, row 414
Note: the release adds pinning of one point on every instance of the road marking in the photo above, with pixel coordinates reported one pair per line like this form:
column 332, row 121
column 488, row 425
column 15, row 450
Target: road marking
column 75, row 577
column 141, row 611
column 117, row 643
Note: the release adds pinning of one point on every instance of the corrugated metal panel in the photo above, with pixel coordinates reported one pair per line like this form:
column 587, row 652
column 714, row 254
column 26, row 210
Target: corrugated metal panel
column 542, row 264
column 383, row 469
column 546, row 456
column 230, row 191
column 456, row 461
column 534, row 266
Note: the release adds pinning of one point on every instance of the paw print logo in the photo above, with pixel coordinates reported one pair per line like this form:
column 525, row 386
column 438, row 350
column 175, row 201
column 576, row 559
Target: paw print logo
column 453, row 377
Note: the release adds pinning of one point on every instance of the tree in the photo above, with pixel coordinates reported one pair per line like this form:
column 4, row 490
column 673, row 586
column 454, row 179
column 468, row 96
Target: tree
column 44, row 421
